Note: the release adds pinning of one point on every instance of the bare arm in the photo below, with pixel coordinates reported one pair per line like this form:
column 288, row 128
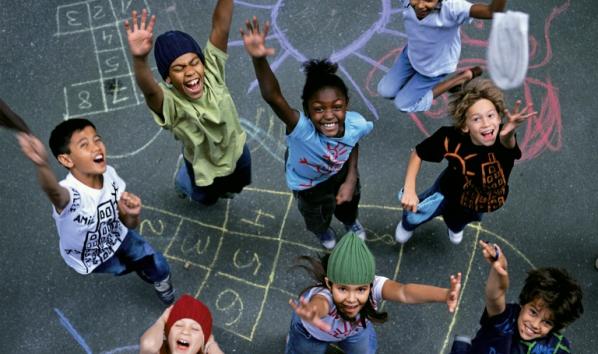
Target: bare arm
column 35, row 151
column 485, row 12
column 254, row 41
column 152, row 339
column 312, row 310
column 420, row 293
column 498, row 279
column 140, row 38
column 221, row 20
column 347, row 188
column 410, row 199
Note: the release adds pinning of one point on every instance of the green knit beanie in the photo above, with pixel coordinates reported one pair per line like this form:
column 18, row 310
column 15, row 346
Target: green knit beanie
column 351, row 262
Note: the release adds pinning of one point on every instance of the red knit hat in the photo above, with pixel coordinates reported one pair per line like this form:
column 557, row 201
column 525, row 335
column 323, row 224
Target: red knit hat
column 189, row 307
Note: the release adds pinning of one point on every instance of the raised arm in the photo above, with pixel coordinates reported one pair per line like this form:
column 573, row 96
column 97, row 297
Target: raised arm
column 151, row 341
column 312, row 311
column 420, row 293
column 140, row 38
column 485, row 11
column 514, row 120
column 221, row 20
column 498, row 279
column 347, row 188
column 35, row 151
column 255, row 44
column 410, row 199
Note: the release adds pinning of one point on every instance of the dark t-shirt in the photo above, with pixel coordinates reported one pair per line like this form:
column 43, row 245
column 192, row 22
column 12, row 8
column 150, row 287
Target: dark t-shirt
column 477, row 176
column 499, row 335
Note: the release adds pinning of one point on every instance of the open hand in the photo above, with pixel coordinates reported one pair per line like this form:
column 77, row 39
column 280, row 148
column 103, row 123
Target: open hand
column 515, row 118
column 33, row 148
column 307, row 312
column 452, row 297
column 254, row 40
column 140, row 34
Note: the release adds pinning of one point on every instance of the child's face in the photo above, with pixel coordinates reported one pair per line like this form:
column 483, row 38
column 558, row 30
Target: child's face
column 186, row 74
column 327, row 109
column 423, row 7
column 482, row 123
column 87, row 153
column 350, row 299
column 185, row 336
column 535, row 320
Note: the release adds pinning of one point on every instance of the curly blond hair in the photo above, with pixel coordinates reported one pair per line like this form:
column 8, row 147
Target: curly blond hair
column 472, row 92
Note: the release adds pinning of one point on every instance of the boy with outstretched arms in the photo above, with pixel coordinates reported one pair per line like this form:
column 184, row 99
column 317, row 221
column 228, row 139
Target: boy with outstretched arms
column 94, row 215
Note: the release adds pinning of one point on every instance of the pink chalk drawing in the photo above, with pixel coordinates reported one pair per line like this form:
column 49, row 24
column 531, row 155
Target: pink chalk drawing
column 541, row 133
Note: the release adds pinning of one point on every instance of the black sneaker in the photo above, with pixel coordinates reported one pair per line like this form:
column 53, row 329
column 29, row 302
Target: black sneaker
column 165, row 291
column 461, row 345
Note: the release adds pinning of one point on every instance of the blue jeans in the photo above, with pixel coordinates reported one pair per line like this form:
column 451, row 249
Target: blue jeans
column 135, row 254
column 208, row 195
column 455, row 216
column 301, row 342
column 410, row 90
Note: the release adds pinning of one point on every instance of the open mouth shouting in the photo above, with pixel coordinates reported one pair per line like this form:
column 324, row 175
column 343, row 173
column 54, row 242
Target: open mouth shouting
column 194, row 87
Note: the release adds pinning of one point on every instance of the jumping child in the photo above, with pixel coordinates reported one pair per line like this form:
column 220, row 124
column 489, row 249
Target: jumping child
column 342, row 305
column 321, row 166
column 432, row 52
column 185, row 327
column 94, row 215
column 195, row 105
column 549, row 301
column 480, row 151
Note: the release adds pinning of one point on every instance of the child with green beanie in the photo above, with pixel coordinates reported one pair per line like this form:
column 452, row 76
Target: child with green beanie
column 341, row 306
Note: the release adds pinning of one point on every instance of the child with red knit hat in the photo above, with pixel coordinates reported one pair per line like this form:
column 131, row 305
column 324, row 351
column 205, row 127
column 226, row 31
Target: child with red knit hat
column 182, row 328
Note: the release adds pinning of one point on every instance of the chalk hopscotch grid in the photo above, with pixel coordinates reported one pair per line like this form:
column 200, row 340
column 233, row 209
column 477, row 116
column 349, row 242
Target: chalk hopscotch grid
column 99, row 6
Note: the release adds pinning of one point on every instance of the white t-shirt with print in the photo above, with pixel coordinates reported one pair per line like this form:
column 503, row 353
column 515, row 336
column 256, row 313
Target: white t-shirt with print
column 340, row 329
column 434, row 43
column 89, row 228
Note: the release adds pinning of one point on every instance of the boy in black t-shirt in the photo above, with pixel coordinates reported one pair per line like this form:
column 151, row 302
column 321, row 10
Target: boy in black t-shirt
column 480, row 151
column 549, row 301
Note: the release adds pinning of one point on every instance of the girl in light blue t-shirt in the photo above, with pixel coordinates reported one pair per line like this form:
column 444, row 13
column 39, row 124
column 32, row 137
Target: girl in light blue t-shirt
column 321, row 166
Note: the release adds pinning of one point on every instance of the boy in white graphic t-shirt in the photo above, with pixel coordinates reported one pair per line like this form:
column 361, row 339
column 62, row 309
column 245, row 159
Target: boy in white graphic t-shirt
column 94, row 215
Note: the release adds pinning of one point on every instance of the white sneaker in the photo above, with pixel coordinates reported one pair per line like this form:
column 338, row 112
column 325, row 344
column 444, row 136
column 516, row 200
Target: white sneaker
column 455, row 237
column 328, row 238
column 402, row 235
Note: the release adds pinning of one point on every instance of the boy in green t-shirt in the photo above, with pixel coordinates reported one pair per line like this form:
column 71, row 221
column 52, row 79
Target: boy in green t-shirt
column 194, row 104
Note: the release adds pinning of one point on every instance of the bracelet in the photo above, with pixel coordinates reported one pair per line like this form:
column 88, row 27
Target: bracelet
column 497, row 254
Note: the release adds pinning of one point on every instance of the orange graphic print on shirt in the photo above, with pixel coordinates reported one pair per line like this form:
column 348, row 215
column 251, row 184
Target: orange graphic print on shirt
column 486, row 192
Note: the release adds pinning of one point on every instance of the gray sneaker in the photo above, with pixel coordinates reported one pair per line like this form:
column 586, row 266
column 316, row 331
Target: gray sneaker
column 165, row 290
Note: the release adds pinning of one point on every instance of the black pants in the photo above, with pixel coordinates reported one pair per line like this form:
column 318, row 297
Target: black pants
column 318, row 204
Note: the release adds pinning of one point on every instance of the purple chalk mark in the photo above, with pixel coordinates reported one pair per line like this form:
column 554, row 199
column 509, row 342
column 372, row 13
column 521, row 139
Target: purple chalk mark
column 379, row 27
column 255, row 6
